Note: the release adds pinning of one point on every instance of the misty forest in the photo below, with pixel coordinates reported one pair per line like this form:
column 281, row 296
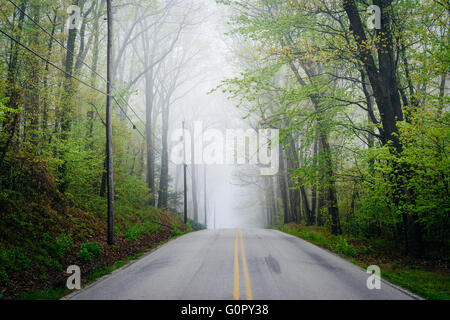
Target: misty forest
column 358, row 98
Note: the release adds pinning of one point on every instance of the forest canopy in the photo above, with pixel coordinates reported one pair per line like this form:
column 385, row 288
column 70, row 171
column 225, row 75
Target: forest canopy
column 357, row 89
column 360, row 94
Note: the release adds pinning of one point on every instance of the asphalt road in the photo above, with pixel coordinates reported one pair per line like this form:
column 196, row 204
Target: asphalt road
column 238, row 264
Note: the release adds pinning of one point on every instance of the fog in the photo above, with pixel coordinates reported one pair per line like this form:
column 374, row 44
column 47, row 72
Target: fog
column 192, row 55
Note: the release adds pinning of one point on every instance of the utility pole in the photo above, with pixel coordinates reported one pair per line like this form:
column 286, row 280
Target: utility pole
column 184, row 173
column 109, row 147
column 204, row 194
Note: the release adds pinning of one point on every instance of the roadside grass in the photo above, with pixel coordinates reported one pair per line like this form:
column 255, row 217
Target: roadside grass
column 43, row 231
column 411, row 275
column 95, row 274
column 38, row 241
column 47, row 294
column 61, row 291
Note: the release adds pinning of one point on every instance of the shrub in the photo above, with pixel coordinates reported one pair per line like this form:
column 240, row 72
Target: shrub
column 3, row 278
column 195, row 225
column 89, row 250
column 135, row 231
column 14, row 258
column 314, row 237
column 341, row 246
column 175, row 231
column 57, row 247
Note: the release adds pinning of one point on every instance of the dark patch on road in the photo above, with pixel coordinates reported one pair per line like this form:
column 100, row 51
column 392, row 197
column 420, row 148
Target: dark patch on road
column 273, row 264
column 154, row 265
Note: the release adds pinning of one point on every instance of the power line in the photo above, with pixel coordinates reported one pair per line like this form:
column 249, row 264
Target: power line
column 84, row 63
column 91, row 69
column 51, row 36
column 51, row 63
column 81, row 81
column 70, row 75
column 123, row 111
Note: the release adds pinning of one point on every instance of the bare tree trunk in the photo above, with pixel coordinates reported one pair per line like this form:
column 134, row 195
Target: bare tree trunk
column 194, row 181
column 9, row 125
column 284, row 189
column 46, row 99
column 330, row 186
column 164, row 176
column 387, row 95
column 149, row 95
column 33, row 101
column 313, row 213
column 322, row 196
column 66, row 110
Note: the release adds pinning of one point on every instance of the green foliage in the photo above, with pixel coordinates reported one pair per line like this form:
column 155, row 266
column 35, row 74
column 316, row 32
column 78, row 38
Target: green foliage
column 336, row 244
column 4, row 278
column 341, row 246
column 429, row 285
column 134, row 232
column 309, row 86
column 314, row 237
column 176, row 232
column 14, row 258
column 4, row 110
column 425, row 283
column 193, row 225
column 89, row 250
column 59, row 246
column 47, row 294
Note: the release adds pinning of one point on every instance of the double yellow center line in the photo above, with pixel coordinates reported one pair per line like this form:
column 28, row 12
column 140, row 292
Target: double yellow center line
column 248, row 285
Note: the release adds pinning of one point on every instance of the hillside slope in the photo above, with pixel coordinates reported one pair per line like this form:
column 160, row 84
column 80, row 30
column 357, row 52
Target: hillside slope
column 43, row 231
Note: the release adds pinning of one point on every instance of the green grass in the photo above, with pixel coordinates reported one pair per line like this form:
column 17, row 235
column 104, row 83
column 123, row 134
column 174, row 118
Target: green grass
column 424, row 283
column 336, row 244
column 89, row 250
column 136, row 231
column 93, row 275
column 47, row 294
column 57, row 293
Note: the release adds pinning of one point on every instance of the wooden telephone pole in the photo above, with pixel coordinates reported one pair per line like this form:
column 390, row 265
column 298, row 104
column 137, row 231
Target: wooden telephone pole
column 109, row 147
column 184, row 173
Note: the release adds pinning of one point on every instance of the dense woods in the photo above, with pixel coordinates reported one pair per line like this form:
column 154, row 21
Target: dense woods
column 52, row 119
column 360, row 99
column 362, row 104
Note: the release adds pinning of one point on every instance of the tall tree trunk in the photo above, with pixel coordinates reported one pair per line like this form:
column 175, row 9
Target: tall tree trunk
column 9, row 125
column 66, row 110
column 284, row 189
column 84, row 48
column 149, row 96
column 323, row 136
column 330, row 186
column 386, row 90
column 46, row 95
column 313, row 213
column 194, row 180
column 32, row 107
column 321, row 201
column 164, row 176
